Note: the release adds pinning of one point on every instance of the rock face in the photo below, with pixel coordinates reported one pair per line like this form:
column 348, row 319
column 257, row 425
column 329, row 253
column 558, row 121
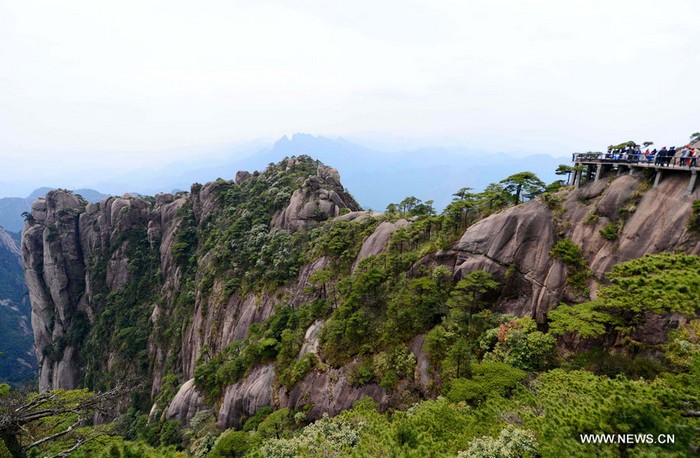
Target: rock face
column 55, row 275
column 186, row 403
column 657, row 223
column 330, row 392
column 321, row 197
column 377, row 242
column 244, row 398
column 77, row 254
column 514, row 244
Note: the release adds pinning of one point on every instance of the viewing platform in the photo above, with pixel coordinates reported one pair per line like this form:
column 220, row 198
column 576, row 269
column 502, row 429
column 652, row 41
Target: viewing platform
column 595, row 166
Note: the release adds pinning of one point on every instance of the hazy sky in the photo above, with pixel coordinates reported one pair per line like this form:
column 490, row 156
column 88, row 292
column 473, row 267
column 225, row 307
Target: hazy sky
column 123, row 83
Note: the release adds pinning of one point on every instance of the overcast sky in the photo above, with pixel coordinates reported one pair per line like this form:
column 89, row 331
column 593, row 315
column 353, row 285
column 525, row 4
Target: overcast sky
column 124, row 83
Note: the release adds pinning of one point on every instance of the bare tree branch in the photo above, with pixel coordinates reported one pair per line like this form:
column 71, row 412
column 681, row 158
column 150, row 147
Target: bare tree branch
column 76, row 446
column 57, row 435
column 20, row 412
column 43, row 397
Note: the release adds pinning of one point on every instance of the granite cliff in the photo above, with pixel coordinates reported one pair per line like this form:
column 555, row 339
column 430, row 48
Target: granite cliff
column 189, row 295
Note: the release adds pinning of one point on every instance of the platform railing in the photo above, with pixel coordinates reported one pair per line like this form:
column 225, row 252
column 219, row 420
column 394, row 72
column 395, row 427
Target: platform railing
column 641, row 159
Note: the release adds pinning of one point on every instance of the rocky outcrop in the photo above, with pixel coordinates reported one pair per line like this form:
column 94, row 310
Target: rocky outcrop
column 378, row 240
column 215, row 325
column 656, row 223
column 321, row 197
column 329, row 392
column 186, row 403
column 241, row 176
column 514, row 245
column 76, row 253
column 422, row 365
column 55, row 275
column 244, row 398
column 311, row 343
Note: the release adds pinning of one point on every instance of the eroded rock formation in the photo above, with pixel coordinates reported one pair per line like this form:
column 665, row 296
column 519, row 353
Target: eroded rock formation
column 514, row 244
column 76, row 253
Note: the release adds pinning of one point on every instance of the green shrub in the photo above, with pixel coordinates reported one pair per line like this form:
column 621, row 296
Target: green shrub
column 661, row 284
column 611, row 231
column 519, row 344
column 591, row 218
column 488, row 379
column 170, row 433
column 231, row 444
column 511, row 442
column 298, row 370
column 252, row 423
column 572, row 256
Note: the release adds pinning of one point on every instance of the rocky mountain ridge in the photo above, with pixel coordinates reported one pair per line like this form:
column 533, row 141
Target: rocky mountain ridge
column 149, row 286
column 11, row 208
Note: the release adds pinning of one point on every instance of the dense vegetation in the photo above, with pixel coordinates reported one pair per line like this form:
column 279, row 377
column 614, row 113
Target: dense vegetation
column 498, row 385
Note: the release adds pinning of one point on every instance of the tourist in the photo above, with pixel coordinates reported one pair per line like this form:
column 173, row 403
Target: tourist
column 661, row 156
column 684, row 156
column 671, row 156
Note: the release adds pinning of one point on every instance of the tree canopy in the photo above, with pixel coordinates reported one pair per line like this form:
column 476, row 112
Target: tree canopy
column 660, row 284
column 523, row 185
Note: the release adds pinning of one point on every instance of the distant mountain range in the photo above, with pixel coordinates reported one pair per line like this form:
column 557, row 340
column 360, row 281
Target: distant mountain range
column 11, row 208
column 376, row 178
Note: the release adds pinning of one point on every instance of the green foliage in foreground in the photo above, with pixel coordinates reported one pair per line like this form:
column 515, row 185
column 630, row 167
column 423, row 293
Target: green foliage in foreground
column 544, row 417
column 488, row 379
column 660, row 284
column 540, row 417
column 511, row 442
column 571, row 255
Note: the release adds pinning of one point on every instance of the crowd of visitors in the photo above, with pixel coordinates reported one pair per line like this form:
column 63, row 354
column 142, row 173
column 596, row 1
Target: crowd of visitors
column 687, row 156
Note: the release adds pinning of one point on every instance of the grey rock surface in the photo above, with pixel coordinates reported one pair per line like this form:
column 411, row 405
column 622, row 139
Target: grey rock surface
column 378, row 240
column 186, row 403
column 320, row 198
column 244, row 398
column 330, row 392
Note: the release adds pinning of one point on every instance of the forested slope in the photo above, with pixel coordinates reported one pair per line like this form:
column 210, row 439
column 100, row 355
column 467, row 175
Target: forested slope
column 268, row 302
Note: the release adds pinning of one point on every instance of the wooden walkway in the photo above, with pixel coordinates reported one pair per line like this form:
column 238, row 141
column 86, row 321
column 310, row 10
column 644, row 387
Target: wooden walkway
column 595, row 167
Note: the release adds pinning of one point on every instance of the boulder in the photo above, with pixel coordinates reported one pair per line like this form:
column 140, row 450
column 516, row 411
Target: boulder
column 244, row 398
column 321, row 197
column 186, row 403
column 378, row 240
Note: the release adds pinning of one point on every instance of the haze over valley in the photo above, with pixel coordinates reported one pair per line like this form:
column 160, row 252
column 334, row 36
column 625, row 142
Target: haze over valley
column 416, row 228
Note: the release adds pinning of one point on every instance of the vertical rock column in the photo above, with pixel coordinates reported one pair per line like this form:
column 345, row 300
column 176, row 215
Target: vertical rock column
column 54, row 272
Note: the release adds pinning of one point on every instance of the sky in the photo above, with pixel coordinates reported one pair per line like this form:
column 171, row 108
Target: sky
column 106, row 87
